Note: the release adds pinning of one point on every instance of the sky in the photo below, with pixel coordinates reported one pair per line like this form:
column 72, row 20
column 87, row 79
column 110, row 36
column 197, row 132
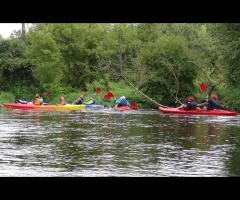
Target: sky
column 7, row 28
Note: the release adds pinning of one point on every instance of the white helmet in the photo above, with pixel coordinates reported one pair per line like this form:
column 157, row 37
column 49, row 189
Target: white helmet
column 122, row 98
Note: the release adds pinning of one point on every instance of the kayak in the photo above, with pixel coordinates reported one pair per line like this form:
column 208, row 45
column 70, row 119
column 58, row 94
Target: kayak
column 123, row 108
column 43, row 107
column 69, row 107
column 28, row 106
column 94, row 106
column 197, row 112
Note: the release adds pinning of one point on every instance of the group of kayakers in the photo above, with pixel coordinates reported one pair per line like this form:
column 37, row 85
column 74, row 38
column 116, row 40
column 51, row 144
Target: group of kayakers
column 189, row 104
column 212, row 103
column 38, row 100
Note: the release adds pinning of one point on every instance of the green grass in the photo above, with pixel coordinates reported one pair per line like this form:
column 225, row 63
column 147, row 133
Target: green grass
column 6, row 97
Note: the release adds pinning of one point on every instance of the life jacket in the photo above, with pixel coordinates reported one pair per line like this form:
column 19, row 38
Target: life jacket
column 90, row 101
column 190, row 105
column 37, row 101
column 122, row 102
column 78, row 101
column 213, row 104
column 62, row 103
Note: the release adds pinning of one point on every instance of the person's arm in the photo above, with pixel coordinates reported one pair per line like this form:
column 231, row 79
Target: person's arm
column 202, row 104
column 75, row 101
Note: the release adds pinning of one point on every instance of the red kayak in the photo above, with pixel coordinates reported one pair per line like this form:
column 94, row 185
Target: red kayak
column 123, row 108
column 197, row 112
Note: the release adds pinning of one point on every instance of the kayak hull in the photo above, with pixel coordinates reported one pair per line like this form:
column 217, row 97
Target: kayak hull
column 67, row 107
column 123, row 108
column 28, row 106
column 70, row 107
column 197, row 112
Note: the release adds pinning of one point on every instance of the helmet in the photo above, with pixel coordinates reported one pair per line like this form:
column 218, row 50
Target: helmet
column 214, row 97
column 190, row 99
column 122, row 98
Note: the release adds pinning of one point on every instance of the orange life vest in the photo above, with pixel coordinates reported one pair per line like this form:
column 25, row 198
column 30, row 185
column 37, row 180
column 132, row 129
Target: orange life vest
column 37, row 101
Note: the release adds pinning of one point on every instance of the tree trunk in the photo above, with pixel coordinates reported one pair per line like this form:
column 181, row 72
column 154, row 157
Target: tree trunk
column 23, row 31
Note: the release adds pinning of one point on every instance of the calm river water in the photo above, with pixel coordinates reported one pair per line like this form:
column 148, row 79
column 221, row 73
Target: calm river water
column 108, row 143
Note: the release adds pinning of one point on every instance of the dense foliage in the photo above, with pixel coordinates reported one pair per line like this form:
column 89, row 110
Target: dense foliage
column 165, row 61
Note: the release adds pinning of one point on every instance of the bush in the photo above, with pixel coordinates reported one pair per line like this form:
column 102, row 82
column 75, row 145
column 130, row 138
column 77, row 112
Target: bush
column 231, row 98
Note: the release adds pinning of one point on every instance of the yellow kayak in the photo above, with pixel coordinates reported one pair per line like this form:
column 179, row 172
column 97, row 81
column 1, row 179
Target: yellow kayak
column 70, row 107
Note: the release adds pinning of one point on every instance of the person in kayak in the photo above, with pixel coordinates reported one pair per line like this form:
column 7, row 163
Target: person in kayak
column 189, row 104
column 62, row 101
column 37, row 100
column 211, row 104
column 90, row 101
column 79, row 100
column 122, row 101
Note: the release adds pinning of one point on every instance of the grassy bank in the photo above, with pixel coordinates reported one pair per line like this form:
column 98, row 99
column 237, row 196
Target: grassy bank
column 6, row 97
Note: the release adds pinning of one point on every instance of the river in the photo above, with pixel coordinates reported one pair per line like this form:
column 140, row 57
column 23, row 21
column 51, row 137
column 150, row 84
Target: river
column 108, row 143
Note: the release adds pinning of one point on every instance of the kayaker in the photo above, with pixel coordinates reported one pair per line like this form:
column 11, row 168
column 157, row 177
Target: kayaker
column 211, row 104
column 90, row 101
column 62, row 101
column 122, row 101
column 37, row 100
column 189, row 104
column 79, row 101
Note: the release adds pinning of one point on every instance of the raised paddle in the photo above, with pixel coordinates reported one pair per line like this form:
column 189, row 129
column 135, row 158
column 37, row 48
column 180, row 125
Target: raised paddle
column 203, row 87
column 108, row 96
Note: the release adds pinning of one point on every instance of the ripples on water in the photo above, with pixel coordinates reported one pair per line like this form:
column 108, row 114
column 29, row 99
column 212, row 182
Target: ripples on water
column 108, row 143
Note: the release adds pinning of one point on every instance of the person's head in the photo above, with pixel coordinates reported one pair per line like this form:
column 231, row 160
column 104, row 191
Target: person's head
column 190, row 99
column 62, row 98
column 37, row 96
column 214, row 97
column 81, row 95
column 122, row 98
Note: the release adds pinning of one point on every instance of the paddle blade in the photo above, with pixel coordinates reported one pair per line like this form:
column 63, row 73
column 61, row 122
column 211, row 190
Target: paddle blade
column 110, row 94
column 106, row 97
column 203, row 87
column 99, row 90
column 133, row 104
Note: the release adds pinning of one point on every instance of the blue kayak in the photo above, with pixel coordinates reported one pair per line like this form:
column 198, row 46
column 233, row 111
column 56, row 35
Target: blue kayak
column 94, row 106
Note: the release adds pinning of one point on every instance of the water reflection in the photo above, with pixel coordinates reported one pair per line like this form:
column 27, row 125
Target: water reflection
column 107, row 143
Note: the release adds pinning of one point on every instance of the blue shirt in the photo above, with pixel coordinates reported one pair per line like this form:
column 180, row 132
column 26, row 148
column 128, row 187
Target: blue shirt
column 120, row 103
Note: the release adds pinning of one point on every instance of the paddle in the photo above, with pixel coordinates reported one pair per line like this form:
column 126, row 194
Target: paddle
column 108, row 96
column 133, row 105
column 203, row 87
